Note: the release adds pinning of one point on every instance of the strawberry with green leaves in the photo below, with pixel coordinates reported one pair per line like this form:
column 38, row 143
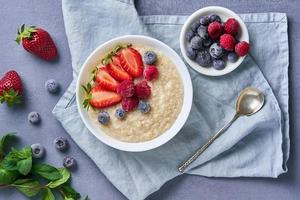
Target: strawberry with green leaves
column 37, row 41
column 11, row 88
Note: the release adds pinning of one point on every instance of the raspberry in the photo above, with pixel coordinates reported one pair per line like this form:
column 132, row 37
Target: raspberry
column 151, row 73
column 142, row 90
column 129, row 103
column 242, row 48
column 227, row 42
column 231, row 26
column 215, row 29
column 126, row 88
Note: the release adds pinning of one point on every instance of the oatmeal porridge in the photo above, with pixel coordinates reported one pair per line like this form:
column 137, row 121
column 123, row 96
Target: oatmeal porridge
column 165, row 100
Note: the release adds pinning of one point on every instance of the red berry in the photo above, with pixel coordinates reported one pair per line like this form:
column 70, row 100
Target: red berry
column 126, row 88
column 242, row 48
column 227, row 42
column 142, row 90
column 151, row 73
column 37, row 41
column 129, row 103
column 11, row 88
column 231, row 26
column 215, row 29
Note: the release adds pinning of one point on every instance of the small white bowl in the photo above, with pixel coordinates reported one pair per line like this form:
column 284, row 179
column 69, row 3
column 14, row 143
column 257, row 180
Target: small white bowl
column 95, row 58
column 224, row 14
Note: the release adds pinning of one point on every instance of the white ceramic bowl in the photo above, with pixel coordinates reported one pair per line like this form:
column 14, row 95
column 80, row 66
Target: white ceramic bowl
column 224, row 13
column 95, row 58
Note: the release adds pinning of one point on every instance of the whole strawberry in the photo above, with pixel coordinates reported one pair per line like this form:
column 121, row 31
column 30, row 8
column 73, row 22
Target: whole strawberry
column 37, row 41
column 11, row 88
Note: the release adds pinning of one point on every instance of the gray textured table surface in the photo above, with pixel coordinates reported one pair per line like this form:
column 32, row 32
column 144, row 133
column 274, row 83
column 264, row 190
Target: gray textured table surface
column 88, row 179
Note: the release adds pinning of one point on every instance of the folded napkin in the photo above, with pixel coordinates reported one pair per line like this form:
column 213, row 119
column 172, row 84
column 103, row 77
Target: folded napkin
column 255, row 146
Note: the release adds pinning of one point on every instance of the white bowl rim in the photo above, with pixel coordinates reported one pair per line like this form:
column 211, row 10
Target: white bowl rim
column 182, row 39
column 177, row 125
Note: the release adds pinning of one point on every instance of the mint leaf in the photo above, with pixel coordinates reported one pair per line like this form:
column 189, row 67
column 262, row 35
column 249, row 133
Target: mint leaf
column 70, row 192
column 86, row 197
column 65, row 177
column 28, row 187
column 18, row 160
column 46, row 171
column 47, row 194
column 7, row 177
column 3, row 141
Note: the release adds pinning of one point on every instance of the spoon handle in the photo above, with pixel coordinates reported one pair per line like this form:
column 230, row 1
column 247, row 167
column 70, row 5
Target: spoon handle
column 199, row 151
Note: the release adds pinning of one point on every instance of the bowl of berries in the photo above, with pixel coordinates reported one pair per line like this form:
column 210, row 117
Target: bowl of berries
column 134, row 93
column 214, row 41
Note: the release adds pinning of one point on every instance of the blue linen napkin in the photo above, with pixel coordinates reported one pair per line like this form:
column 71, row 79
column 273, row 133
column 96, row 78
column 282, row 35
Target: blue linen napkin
column 255, row 146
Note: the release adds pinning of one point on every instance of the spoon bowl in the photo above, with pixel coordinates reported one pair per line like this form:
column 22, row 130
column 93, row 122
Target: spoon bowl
column 249, row 101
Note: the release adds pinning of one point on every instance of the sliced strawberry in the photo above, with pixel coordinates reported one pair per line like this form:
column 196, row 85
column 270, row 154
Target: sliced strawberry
column 101, row 98
column 116, row 71
column 105, row 80
column 131, row 61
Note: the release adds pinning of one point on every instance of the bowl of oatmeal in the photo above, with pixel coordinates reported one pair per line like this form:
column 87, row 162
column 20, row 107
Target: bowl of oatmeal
column 134, row 93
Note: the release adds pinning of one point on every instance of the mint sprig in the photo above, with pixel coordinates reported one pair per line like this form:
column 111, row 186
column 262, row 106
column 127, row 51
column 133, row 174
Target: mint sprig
column 18, row 167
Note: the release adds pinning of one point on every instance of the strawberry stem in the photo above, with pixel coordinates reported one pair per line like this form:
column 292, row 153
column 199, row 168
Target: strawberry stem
column 11, row 97
column 24, row 32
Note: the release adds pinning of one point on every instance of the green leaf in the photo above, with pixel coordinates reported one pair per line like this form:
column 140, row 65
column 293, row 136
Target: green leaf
column 47, row 194
column 3, row 141
column 18, row 160
column 7, row 177
column 86, row 197
column 70, row 192
column 46, row 171
column 28, row 187
column 65, row 177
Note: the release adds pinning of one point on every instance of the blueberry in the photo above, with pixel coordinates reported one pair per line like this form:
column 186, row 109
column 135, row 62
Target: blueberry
column 189, row 35
column 61, row 143
column 216, row 50
column 150, row 57
column 34, row 117
column 218, row 64
column 69, row 162
column 52, row 86
column 120, row 113
column 232, row 57
column 203, row 58
column 214, row 18
column 207, row 42
column 103, row 117
column 191, row 53
column 202, row 32
column 196, row 42
column 38, row 150
column 144, row 107
column 204, row 20
column 195, row 26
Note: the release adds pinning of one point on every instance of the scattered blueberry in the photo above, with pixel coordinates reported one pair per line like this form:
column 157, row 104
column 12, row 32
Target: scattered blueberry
column 232, row 57
column 207, row 42
column 195, row 26
column 144, row 106
column 189, row 35
column 218, row 64
column 216, row 50
column 204, row 20
column 150, row 57
column 103, row 117
column 203, row 58
column 214, row 18
column 34, row 117
column 38, row 150
column 202, row 32
column 52, row 86
column 60, row 143
column 69, row 162
column 191, row 53
column 120, row 113
column 196, row 42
